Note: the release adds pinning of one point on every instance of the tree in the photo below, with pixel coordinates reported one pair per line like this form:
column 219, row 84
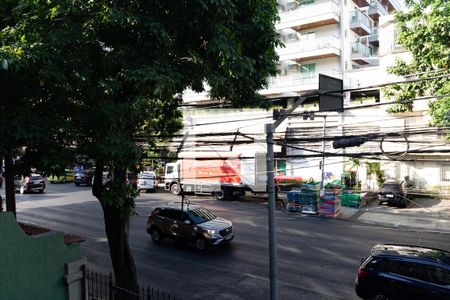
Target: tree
column 423, row 31
column 32, row 102
column 126, row 75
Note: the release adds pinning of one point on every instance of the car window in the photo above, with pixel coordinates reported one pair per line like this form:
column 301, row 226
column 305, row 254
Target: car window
column 163, row 213
column 174, row 214
column 437, row 275
column 201, row 215
column 377, row 264
column 392, row 187
column 400, row 268
column 36, row 177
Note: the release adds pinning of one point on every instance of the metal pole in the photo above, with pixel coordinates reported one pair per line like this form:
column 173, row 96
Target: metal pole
column 323, row 152
column 272, row 224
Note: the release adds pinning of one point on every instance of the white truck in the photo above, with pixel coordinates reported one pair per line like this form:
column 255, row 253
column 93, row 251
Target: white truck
column 224, row 174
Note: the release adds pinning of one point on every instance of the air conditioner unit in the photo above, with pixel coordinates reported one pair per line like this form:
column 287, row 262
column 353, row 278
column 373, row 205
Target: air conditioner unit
column 293, row 68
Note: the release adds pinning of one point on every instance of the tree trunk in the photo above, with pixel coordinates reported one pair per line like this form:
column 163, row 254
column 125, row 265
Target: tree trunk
column 9, row 186
column 122, row 259
column 117, row 232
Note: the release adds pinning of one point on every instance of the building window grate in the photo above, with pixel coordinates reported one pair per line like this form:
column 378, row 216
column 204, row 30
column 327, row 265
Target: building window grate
column 445, row 173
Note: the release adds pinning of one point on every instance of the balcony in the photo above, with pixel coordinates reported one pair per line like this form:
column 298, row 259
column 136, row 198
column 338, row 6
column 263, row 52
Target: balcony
column 297, row 82
column 361, row 3
column 363, row 55
column 359, row 23
column 373, row 38
column 376, row 10
column 318, row 48
column 391, row 5
column 310, row 16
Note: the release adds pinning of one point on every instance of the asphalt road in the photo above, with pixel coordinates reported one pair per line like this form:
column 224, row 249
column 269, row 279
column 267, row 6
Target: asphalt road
column 317, row 257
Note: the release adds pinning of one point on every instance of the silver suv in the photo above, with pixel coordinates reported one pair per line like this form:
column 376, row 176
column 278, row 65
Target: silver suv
column 194, row 224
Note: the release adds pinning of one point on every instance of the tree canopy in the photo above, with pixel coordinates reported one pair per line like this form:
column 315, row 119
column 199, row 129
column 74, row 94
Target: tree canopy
column 107, row 73
column 423, row 29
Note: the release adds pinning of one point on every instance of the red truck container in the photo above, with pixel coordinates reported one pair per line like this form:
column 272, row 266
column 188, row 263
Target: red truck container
column 224, row 174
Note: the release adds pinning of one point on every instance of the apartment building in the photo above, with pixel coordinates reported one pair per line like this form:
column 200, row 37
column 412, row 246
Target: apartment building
column 351, row 40
column 332, row 37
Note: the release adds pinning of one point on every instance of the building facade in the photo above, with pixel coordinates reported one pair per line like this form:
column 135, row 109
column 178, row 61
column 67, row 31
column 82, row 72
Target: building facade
column 354, row 41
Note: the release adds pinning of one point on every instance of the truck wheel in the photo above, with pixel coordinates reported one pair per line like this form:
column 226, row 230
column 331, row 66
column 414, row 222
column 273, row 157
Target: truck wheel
column 224, row 194
column 175, row 189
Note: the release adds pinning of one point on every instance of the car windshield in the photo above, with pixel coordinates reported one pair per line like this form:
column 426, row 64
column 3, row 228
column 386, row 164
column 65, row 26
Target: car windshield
column 145, row 176
column 35, row 177
column 392, row 187
column 201, row 215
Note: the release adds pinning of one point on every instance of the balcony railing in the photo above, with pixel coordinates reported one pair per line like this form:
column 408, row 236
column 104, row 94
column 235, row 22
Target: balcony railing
column 301, row 79
column 358, row 17
column 373, row 37
column 360, row 23
column 310, row 45
column 376, row 10
column 309, row 11
column 359, row 49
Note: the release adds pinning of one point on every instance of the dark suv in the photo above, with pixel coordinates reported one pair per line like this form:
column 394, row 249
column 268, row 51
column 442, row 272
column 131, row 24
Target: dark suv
column 393, row 193
column 194, row 224
column 404, row 272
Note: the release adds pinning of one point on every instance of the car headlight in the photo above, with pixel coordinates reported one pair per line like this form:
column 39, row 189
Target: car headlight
column 211, row 232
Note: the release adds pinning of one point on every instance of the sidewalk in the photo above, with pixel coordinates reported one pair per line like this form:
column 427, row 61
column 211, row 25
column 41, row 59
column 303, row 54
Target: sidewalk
column 424, row 214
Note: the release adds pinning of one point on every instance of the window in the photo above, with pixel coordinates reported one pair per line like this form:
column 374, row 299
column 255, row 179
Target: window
column 308, row 68
column 445, row 172
column 377, row 264
column 400, row 268
column 169, row 169
column 174, row 214
column 305, row 36
column 305, row 2
column 201, row 215
column 438, row 275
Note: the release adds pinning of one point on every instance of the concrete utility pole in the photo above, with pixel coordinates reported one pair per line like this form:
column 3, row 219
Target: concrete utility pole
column 322, row 166
column 270, row 128
column 272, row 208
column 328, row 86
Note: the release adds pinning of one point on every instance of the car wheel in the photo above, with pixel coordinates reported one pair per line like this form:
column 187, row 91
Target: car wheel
column 22, row 190
column 77, row 184
column 41, row 191
column 379, row 296
column 404, row 204
column 201, row 244
column 175, row 189
column 156, row 235
column 64, row 180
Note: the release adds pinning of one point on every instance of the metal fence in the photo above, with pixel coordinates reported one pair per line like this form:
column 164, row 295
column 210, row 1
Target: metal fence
column 102, row 287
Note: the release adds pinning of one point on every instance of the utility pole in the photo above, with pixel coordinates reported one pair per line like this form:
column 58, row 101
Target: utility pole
column 328, row 101
column 322, row 166
column 272, row 208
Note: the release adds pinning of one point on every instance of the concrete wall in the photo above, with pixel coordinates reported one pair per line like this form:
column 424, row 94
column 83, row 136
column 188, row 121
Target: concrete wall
column 32, row 267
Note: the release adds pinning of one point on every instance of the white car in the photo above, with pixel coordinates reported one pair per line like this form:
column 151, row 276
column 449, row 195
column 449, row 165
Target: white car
column 146, row 181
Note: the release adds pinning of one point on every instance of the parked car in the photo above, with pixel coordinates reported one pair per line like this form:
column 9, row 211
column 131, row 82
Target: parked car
column 30, row 183
column 404, row 272
column 194, row 224
column 67, row 176
column 393, row 193
column 84, row 177
column 106, row 177
column 146, row 181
